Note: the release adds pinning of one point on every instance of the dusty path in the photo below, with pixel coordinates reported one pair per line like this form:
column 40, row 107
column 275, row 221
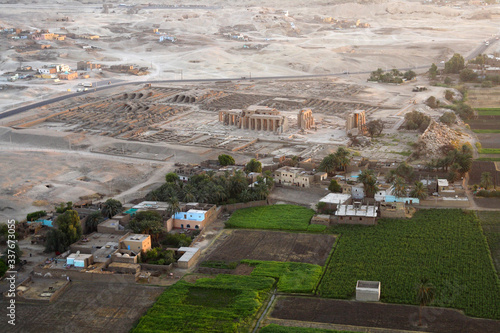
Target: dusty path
column 157, row 177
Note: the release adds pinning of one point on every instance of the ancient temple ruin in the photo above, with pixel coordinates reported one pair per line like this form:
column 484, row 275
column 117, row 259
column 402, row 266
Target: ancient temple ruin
column 255, row 119
column 305, row 119
column 356, row 122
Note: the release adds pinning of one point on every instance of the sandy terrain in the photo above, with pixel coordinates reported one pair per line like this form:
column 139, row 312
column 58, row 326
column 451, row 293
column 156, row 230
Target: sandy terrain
column 401, row 34
column 70, row 157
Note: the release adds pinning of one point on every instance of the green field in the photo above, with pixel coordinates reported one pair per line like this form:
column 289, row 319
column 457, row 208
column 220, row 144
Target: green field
column 294, row 277
column 489, row 151
column 446, row 246
column 488, row 111
column 278, row 217
column 490, row 222
column 227, row 303
column 273, row 328
column 485, row 131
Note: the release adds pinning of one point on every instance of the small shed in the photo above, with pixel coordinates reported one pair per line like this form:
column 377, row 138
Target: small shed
column 368, row 291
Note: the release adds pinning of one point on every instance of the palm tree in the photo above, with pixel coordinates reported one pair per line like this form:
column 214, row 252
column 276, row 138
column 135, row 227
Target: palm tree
column 328, row 164
column 367, row 177
column 399, row 187
column 173, row 207
column 419, row 191
column 93, row 220
column 486, row 180
column 261, row 190
column 294, row 161
column 425, row 295
column 246, row 195
column 111, row 207
column 390, row 176
column 237, row 183
column 189, row 192
column 219, row 193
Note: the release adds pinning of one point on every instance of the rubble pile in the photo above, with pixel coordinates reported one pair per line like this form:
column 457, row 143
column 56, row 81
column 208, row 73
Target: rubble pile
column 436, row 136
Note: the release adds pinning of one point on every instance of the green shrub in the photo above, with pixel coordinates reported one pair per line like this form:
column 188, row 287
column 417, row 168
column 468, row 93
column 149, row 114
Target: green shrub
column 35, row 215
column 176, row 240
column 488, row 194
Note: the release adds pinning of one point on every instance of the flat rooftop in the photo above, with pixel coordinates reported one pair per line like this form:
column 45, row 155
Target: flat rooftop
column 107, row 250
column 189, row 252
column 115, row 224
column 360, row 211
column 136, row 238
column 151, row 205
column 196, row 211
column 97, row 240
column 335, row 198
column 79, row 256
column 442, row 182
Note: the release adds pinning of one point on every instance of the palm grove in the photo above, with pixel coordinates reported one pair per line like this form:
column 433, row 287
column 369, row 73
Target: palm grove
column 456, row 161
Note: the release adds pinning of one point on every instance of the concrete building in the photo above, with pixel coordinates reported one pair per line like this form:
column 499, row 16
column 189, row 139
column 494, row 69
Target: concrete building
column 194, row 216
column 189, row 256
column 79, row 260
column 358, row 192
column 356, row 214
column 86, row 65
column 442, row 185
column 356, row 122
column 305, row 120
column 111, row 227
column 368, row 291
column 94, row 242
column 68, row 76
column 47, row 71
column 394, row 210
column 293, row 177
column 332, row 200
column 138, row 243
column 255, row 119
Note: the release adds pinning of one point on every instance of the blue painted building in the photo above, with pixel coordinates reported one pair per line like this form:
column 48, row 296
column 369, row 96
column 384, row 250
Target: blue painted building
column 48, row 223
column 392, row 198
column 192, row 215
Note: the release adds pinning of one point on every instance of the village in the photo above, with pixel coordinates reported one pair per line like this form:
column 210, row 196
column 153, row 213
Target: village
column 240, row 167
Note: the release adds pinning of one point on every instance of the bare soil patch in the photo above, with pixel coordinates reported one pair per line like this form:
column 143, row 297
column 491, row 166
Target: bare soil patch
column 274, row 246
column 87, row 307
column 389, row 316
column 489, row 140
column 485, row 122
column 478, row 167
column 493, row 203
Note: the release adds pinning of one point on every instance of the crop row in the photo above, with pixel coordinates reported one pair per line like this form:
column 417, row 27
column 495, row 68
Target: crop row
column 277, row 217
column 445, row 246
column 226, row 303
column 293, row 277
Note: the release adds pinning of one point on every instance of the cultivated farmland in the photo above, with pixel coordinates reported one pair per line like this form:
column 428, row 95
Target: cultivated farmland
column 273, row 328
column 227, row 303
column 273, row 246
column 277, row 217
column 490, row 222
column 388, row 316
column 478, row 167
column 293, row 277
column 446, row 246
